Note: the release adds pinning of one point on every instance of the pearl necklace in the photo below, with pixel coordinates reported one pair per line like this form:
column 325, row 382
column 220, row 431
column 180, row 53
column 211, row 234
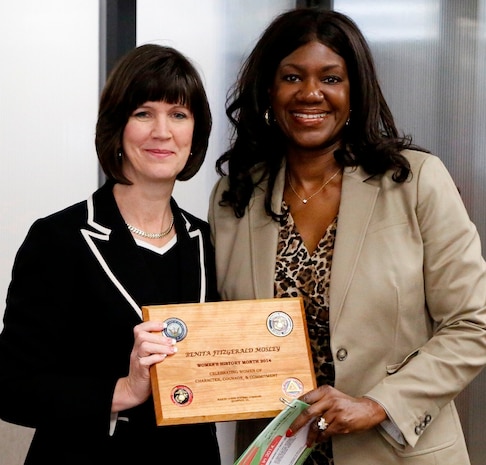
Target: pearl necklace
column 159, row 235
column 305, row 200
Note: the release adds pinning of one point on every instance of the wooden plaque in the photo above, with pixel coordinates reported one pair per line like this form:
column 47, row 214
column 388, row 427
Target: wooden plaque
column 235, row 360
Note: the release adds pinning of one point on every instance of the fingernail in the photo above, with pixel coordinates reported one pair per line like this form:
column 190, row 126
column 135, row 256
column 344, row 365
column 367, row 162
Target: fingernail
column 289, row 433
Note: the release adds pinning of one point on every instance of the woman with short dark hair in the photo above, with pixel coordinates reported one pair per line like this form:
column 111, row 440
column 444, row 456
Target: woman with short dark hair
column 75, row 356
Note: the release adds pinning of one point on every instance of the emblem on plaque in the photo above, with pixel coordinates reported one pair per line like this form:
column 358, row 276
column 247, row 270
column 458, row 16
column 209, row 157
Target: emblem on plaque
column 176, row 329
column 181, row 395
column 279, row 324
column 292, row 387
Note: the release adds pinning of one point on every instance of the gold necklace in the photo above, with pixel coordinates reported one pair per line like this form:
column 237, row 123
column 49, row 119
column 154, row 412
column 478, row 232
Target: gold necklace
column 159, row 235
column 305, row 200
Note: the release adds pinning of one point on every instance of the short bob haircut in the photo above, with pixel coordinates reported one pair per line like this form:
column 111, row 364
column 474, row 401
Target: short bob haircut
column 150, row 73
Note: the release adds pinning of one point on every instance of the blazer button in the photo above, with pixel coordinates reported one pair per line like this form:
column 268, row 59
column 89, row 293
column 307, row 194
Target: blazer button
column 342, row 354
column 418, row 430
column 428, row 419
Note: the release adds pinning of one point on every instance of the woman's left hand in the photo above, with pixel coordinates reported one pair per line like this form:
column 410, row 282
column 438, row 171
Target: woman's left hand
column 150, row 346
column 340, row 414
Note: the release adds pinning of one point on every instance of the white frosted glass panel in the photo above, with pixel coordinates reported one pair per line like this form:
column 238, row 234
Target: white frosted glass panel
column 478, row 156
column 216, row 35
column 385, row 20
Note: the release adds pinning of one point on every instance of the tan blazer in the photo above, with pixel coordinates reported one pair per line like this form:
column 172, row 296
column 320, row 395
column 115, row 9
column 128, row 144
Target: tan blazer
column 407, row 302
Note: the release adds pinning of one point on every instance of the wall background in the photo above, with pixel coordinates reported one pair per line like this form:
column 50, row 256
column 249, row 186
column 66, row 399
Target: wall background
column 48, row 105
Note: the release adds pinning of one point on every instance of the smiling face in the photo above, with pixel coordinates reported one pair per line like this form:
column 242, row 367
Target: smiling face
column 157, row 142
column 310, row 97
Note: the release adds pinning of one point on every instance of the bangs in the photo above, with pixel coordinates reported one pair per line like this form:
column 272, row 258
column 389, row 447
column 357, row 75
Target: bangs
column 172, row 85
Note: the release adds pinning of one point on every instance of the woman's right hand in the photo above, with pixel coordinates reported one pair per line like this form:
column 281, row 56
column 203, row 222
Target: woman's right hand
column 150, row 346
column 338, row 412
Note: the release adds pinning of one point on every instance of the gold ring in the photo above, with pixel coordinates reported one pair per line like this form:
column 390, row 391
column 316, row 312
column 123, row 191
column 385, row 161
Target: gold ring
column 322, row 424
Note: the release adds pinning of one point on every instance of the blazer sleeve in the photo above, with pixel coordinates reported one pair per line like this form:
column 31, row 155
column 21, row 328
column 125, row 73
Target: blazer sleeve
column 40, row 382
column 455, row 290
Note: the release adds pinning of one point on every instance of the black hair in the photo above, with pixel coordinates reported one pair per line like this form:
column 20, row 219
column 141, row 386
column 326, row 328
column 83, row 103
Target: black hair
column 370, row 140
column 150, row 72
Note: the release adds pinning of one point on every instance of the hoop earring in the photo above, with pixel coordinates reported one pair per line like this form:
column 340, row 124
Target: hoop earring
column 267, row 117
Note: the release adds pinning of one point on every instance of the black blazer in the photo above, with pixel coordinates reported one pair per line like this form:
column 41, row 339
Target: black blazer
column 78, row 284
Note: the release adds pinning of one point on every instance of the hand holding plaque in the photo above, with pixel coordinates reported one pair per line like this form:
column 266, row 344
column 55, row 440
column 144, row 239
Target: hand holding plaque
column 235, row 360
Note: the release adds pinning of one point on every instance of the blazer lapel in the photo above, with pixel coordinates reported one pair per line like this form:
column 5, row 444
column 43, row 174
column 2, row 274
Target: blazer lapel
column 265, row 231
column 114, row 248
column 358, row 199
column 191, row 261
column 112, row 245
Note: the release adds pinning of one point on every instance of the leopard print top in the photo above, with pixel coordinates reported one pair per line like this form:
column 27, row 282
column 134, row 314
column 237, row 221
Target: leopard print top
column 300, row 274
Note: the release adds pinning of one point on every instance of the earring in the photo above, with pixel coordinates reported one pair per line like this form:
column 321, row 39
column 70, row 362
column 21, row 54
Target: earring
column 120, row 154
column 266, row 117
column 349, row 119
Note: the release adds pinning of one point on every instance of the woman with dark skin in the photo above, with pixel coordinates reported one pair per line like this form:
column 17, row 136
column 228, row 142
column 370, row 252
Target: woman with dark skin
column 75, row 356
column 322, row 198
